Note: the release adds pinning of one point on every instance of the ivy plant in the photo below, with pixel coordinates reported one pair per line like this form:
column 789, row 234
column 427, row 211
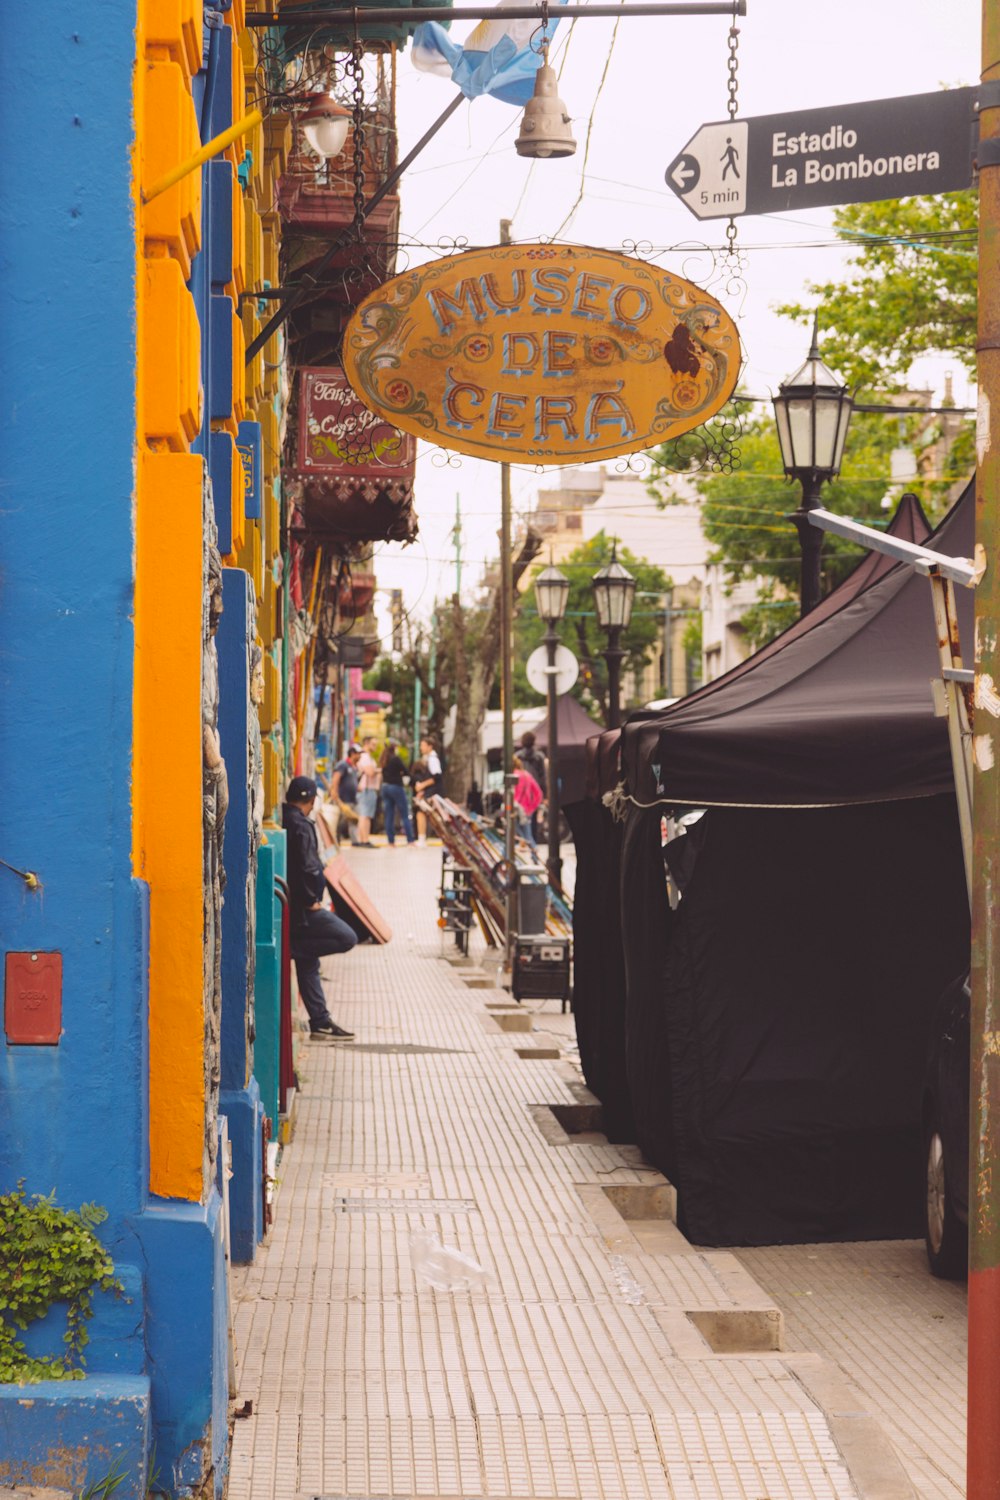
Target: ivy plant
column 48, row 1255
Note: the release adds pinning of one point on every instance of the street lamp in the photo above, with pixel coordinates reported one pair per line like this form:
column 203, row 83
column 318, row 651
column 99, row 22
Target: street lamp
column 812, row 411
column 324, row 125
column 551, row 594
column 614, row 590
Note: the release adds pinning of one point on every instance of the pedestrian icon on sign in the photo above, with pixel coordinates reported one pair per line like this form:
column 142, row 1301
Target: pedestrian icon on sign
column 729, row 158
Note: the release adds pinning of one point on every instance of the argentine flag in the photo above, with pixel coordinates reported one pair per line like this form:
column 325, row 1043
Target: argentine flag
column 497, row 58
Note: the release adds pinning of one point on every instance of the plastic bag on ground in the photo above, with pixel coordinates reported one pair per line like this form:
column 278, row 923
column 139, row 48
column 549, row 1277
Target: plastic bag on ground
column 442, row 1267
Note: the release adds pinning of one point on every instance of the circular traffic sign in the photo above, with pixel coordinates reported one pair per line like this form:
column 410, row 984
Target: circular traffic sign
column 567, row 669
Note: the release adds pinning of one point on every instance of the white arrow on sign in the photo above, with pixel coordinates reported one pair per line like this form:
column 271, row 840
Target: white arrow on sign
column 710, row 174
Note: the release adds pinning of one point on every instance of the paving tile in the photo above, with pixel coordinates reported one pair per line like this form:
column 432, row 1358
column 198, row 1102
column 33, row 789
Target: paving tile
column 555, row 1378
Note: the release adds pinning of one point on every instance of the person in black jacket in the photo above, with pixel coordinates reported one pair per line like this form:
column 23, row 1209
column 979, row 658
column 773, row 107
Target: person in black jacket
column 315, row 931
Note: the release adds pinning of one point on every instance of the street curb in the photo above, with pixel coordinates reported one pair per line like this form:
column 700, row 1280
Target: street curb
column 871, row 1459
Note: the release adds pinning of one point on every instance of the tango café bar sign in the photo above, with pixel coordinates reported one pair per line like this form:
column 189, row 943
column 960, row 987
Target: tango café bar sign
column 339, row 436
column 542, row 354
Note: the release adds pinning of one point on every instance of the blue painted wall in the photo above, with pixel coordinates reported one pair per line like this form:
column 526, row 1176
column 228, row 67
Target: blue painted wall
column 73, row 1115
column 67, row 423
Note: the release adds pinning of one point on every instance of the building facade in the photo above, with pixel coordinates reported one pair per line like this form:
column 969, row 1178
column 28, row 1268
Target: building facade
column 140, row 738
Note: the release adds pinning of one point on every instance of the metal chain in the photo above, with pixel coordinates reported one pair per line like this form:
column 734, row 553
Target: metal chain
column 733, row 106
column 356, row 71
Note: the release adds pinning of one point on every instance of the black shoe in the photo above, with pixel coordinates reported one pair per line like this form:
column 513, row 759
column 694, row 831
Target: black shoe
column 332, row 1030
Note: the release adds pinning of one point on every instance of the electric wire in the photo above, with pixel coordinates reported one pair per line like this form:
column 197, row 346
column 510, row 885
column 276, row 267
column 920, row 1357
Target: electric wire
column 590, row 128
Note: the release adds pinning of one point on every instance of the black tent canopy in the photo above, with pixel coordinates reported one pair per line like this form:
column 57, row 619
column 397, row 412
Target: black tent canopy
column 767, row 1039
column 837, row 710
column 575, row 728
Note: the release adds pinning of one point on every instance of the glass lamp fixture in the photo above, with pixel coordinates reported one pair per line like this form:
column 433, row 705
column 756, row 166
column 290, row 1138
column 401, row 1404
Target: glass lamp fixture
column 614, row 592
column 551, row 593
column 324, row 125
column 812, row 411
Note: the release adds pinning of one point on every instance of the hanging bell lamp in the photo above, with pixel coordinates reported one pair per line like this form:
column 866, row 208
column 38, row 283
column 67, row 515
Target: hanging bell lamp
column 545, row 127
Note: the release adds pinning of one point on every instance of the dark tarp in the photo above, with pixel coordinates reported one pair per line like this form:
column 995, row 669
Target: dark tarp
column 576, row 727
column 598, row 969
column 775, row 1024
column 837, row 710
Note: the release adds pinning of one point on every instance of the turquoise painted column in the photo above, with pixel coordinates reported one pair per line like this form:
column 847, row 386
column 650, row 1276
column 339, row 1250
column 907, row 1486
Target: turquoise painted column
column 240, row 1099
column 267, row 997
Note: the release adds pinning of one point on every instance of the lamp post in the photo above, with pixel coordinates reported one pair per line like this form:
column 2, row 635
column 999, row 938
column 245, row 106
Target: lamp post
column 812, row 411
column 551, row 594
column 614, row 591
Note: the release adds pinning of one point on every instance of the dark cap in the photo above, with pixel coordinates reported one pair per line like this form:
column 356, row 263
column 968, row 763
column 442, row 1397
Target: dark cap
column 301, row 789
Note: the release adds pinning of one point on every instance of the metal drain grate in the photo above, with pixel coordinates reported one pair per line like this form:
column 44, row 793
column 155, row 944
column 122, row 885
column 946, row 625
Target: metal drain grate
column 404, row 1205
column 407, row 1049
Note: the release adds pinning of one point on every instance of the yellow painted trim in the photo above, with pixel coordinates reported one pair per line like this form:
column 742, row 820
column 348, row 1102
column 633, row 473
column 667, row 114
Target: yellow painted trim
column 167, row 738
column 214, row 147
column 167, row 798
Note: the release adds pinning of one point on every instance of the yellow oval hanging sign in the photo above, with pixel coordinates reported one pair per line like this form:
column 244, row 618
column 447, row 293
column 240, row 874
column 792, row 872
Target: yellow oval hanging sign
column 542, row 354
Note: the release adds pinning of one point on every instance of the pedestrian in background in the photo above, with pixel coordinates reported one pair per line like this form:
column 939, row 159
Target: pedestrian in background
column 432, row 760
column 527, row 800
column 344, row 793
column 421, row 785
column 534, row 763
column 394, row 800
column 369, row 779
column 313, row 930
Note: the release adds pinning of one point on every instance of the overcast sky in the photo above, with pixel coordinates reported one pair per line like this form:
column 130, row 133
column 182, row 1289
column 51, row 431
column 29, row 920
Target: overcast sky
column 662, row 78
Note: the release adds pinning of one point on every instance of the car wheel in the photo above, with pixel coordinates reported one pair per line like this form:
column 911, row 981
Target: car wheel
column 945, row 1235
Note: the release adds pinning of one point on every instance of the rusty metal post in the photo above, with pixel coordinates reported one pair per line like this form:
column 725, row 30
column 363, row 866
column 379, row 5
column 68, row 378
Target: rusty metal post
column 983, row 1452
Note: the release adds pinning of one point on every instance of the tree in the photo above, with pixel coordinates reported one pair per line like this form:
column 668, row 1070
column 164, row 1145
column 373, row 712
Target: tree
column 913, row 290
column 464, row 640
column 744, row 513
column 579, row 629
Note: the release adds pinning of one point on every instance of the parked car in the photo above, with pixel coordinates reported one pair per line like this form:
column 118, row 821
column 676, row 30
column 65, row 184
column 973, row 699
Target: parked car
column 946, row 1134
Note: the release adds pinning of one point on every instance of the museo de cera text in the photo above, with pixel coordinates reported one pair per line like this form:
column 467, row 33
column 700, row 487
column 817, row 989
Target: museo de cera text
column 542, row 354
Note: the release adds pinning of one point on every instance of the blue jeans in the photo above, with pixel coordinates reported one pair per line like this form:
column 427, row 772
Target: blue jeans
column 315, row 934
column 394, row 801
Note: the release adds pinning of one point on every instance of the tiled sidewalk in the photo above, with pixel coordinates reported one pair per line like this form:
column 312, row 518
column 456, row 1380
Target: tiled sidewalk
column 898, row 1334
column 575, row 1371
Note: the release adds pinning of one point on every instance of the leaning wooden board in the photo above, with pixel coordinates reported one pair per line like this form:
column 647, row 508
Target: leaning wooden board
column 352, row 903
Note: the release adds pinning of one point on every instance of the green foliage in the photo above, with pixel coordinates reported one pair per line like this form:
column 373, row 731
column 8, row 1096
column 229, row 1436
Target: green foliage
column 692, row 638
column 913, row 290
column 579, row 629
column 744, row 514
column 48, row 1255
column 104, row 1488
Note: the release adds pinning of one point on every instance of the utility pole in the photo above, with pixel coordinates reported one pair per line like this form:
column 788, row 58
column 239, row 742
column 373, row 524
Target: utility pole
column 983, row 1453
column 507, row 687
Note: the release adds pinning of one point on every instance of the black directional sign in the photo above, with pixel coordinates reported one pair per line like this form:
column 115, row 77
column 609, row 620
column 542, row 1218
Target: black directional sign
column 847, row 153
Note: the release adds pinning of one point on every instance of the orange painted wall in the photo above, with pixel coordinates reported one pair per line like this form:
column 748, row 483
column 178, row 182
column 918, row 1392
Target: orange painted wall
column 167, row 764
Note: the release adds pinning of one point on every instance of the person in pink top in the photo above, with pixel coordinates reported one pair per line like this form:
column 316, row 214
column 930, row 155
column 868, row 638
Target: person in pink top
column 527, row 798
